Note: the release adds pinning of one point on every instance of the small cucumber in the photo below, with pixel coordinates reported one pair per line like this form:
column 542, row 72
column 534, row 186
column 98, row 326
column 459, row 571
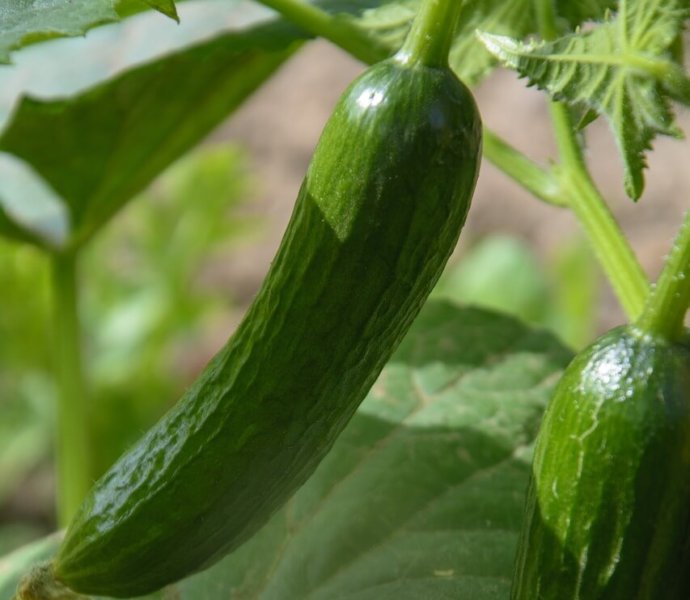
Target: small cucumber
column 377, row 217
column 608, row 508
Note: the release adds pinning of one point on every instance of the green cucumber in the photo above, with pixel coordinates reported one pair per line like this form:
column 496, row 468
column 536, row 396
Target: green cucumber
column 377, row 217
column 608, row 507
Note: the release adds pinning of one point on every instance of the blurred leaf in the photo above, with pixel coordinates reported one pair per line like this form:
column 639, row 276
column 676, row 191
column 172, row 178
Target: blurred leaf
column 110, row 142
column 26, row 393
column 62, row 68
column 149, row 299
column 33, row 20
column 501, row 273
column 422, row 495
column 505, row 274
column 25, row 437
column 16, row 535
column 575, row 289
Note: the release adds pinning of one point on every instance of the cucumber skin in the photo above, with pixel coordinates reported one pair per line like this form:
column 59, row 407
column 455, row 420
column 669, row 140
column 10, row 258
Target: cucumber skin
column 608, row 506
column 377, row 217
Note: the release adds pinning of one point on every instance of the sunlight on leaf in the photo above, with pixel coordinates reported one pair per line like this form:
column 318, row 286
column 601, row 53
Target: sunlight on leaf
column 623, row 69
column 139, row 122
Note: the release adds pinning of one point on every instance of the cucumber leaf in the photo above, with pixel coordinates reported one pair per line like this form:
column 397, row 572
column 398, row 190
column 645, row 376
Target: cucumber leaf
column 34, row 20
column 422, row 495
column 624, row 69
column 110, row 141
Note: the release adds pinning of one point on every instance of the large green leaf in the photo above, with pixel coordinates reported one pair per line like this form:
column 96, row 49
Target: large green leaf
column 422, row 495
column 624, row 69
column 111, row 141
column 31, row 21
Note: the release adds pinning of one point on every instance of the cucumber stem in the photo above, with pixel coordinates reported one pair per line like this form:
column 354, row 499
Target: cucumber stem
column 73, row 473
column 429, row 40
column 610, row 245
column 665, row 309
column 541, row 182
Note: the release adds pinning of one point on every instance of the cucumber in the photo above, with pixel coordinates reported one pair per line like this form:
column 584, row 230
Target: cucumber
column 608, row 506
column 378, row 215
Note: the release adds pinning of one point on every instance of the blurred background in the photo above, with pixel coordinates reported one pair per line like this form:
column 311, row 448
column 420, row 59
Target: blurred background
column 166, row 282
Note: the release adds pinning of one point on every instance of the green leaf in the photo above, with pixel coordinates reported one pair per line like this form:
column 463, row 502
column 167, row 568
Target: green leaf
column 16, row 535
column 501, row 273
column 111, row 141
column 575, row 13
column 623, row 69
column 166, row 7
column 25, row 437
column 33, row 20
column 422, row 495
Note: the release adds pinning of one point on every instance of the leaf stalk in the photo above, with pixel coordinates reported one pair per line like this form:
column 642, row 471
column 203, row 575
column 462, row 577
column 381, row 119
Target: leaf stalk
column 73, row 465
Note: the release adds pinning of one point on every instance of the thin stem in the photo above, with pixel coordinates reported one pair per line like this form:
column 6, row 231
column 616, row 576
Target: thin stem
column 429, row 40
column 73, row 474
column 610, row 245
column 534, row 178
column 347, row 35
column 665, row 309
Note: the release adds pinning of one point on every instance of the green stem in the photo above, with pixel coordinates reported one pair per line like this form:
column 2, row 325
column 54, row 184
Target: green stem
column 665, row 309
column 610, row 245
column 347, row 35
column 430, row 38
column 73, row 473
column 534, row 178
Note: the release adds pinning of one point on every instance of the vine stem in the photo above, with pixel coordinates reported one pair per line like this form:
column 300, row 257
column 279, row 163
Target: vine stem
column 339, row 31
column 572, row 186
column 665, row 309
column 429, row 40
column 73, row 466
column 611, row 246
column 533, row 177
